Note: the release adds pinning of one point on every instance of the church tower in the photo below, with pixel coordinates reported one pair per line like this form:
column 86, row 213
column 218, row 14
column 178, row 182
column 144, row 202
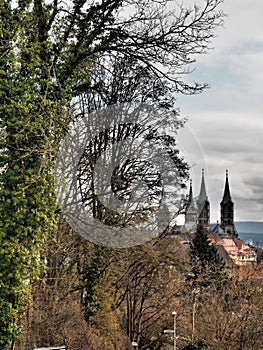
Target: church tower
column 227, row 211
column 190, row 211
column 203, row 206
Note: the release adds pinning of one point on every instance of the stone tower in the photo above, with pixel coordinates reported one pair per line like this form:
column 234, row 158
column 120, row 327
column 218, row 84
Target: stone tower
column 203, row 206
column 227, row 211
column 190, row 211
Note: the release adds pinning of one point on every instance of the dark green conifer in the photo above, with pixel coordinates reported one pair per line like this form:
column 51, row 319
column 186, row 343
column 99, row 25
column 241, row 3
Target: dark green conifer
column 205, row 260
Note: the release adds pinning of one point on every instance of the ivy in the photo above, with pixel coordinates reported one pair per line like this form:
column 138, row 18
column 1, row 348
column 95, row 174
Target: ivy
column 31, row 123
column 92, row 274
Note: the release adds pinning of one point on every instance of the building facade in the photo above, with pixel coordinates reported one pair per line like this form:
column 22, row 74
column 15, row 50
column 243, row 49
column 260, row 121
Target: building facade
column 198, row 211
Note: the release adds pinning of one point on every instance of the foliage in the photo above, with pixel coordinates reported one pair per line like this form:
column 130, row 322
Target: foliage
column 207, row 265
column 230, row 318
column 202, row 250
column 145, row 280
column 228, row 313
column 197, row 345
column 92, row 275
column 27, row 147
column 48, row 54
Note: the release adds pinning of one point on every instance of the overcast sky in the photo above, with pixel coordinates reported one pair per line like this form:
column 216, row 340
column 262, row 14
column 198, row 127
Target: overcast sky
column 227, row 119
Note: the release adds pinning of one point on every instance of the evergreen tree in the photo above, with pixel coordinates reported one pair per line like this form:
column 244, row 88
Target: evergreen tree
column 205, row 260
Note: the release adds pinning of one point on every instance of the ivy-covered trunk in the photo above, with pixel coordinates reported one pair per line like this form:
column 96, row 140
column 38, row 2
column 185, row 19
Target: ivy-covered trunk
column 31, row 117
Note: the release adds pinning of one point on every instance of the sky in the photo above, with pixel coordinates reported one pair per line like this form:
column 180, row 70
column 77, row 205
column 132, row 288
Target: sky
column 225, row 122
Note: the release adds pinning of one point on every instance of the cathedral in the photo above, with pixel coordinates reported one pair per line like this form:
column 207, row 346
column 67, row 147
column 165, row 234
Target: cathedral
column 198, row 211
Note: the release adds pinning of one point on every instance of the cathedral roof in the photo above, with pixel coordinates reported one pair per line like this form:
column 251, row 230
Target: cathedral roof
column 226, row 197
column 191, row 203
column 202, row 196
column 217, row 229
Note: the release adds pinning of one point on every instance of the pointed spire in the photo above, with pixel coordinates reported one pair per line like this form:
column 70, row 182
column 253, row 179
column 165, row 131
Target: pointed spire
column 191, row 204
column 203, row 196
column 203, row 205
column 226, row 196
column 191, row 190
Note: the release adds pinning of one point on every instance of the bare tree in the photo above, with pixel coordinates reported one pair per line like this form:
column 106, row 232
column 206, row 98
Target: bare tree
column 50, row 55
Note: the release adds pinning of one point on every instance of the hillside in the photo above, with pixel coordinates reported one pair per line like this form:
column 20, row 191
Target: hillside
column 249, row 227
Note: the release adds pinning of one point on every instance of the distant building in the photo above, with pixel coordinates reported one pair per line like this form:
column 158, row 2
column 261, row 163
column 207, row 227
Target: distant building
column 239, row 252
column 224, row 234
column 227, row 211
column 198, row 211
column 190, row 223
column 203, row 206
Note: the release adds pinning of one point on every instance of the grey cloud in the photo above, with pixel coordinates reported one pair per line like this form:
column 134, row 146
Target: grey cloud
column 227, row 119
